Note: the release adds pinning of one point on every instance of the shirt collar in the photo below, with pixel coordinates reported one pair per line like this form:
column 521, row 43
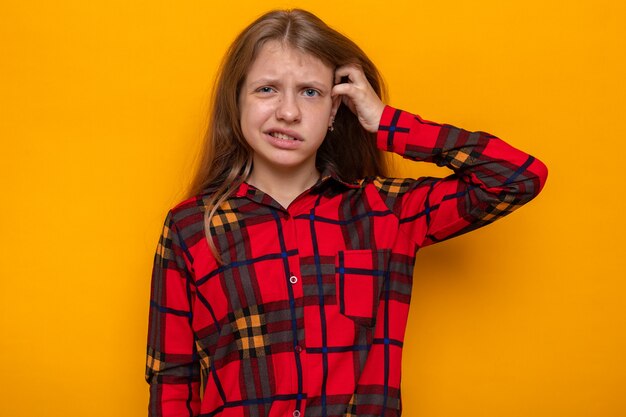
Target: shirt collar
column 329, row 180
column 329, row 175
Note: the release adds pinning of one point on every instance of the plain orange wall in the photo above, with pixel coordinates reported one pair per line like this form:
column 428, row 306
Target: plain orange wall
column 103, row 103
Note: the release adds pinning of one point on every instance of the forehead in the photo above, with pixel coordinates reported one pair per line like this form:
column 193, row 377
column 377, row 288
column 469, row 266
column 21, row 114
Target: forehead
column 276, row 60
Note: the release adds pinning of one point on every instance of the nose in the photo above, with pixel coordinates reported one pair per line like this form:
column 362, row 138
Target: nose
column 288, row 109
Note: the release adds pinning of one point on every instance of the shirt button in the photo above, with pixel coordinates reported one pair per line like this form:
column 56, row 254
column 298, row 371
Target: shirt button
column 293, row 279
column 296, row 413
column 298, row 348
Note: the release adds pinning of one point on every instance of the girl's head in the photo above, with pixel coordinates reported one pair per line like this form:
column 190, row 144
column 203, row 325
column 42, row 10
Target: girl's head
column 349, row 150
column 286, row 107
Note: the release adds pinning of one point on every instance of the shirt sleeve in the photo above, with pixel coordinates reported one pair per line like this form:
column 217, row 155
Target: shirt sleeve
column 490, row 178
column 172, row 368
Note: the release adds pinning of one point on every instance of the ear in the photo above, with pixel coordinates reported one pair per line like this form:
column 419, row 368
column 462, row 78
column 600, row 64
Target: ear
column 334, row 108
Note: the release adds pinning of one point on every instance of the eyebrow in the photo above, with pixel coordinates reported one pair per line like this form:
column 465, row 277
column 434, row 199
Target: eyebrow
column 274, row 81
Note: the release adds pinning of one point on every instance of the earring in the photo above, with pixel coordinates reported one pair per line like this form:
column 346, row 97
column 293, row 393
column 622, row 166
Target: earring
column 331, row 127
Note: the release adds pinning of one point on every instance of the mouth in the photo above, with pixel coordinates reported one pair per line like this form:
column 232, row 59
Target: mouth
column 283, row 136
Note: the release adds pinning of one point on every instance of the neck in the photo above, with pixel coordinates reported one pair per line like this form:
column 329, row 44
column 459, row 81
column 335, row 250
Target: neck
column 284, row 186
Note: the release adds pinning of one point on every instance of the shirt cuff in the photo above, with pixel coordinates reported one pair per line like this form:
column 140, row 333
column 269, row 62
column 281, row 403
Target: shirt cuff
column 394, row 129
column 404, row 133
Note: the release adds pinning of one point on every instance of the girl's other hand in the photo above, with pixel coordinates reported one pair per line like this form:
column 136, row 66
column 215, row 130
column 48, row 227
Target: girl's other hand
column 357, row 93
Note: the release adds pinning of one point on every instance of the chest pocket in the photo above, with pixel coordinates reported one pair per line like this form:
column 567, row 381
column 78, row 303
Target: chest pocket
column 360, row 275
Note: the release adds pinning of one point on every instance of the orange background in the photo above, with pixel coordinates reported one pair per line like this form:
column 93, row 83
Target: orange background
column 102, row 106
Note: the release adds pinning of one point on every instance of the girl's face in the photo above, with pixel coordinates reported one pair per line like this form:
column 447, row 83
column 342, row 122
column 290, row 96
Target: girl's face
column 286, row 108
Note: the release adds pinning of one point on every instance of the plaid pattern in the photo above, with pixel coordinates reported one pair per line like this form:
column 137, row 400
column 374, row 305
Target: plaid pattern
column 306, row 317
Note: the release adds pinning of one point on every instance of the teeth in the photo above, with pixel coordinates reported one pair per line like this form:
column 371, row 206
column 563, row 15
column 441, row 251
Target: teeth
column 282, row 136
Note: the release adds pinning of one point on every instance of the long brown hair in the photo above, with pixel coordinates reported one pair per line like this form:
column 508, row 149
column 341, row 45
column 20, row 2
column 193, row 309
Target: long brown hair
column 226, row 160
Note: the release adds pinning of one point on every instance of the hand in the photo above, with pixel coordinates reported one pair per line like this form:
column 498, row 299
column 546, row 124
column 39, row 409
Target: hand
column 359, row 96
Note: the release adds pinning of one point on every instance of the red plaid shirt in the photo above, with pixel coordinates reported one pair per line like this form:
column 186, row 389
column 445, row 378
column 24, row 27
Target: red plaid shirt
column 306, row 316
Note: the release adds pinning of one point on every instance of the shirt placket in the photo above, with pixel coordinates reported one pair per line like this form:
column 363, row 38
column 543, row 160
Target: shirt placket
column 293, row 280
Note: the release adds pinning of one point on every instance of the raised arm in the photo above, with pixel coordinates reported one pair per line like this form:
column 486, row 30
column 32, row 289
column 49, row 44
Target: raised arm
column 490, row 178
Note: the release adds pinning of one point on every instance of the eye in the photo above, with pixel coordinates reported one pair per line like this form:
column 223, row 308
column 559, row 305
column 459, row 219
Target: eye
column 264, row 90
column 311, row 92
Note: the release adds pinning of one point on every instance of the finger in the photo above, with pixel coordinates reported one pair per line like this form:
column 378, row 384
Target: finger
column 343, row 89
column 354, row 72
column 349, row 92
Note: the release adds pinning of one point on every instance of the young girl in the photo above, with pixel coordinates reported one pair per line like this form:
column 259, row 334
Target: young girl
column 281, row 287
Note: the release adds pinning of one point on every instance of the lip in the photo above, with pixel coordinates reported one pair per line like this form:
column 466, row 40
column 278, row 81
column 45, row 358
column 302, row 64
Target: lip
column 287, row 132
column 284, row 143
